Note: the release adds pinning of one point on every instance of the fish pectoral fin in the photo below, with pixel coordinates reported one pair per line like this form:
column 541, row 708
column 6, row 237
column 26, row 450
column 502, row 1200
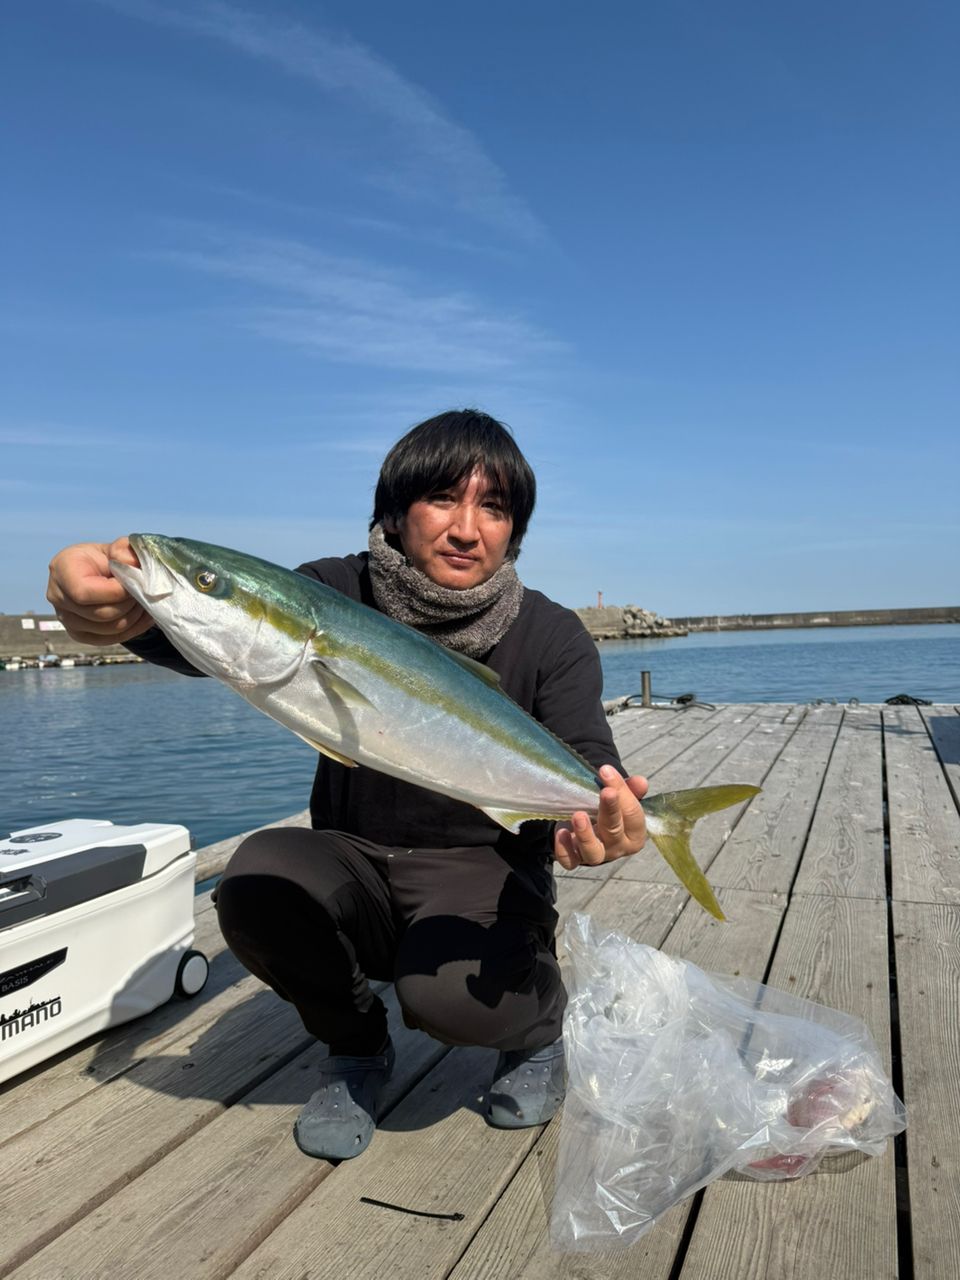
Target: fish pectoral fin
column 513, row 820
column 340, row 687
column 327, row 751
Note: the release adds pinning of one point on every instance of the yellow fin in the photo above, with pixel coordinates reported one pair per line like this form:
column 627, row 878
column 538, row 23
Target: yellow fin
column 676, row 853
column 327, row 751
column 513, row 820
column 695, row 802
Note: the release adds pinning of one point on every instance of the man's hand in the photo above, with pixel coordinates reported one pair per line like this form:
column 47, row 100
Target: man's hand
column 93, row 606
column 620, row 829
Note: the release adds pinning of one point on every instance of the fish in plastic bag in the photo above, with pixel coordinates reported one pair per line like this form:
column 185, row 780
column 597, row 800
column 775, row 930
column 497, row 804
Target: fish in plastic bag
column 677, row 1076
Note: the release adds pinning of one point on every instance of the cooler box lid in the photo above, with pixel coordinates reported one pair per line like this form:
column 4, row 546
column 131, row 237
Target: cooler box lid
column 50, row 868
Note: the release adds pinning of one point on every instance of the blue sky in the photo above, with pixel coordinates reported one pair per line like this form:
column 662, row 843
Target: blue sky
column 702, row 258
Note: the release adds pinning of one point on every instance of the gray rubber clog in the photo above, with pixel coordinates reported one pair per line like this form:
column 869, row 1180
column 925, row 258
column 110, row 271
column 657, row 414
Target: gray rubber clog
column 527, row 1087
column 339, row 1120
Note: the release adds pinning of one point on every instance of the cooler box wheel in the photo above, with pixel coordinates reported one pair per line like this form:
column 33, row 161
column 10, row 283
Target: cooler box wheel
column 192, row 973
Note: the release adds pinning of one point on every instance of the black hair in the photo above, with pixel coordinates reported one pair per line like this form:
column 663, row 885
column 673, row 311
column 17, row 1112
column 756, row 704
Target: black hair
column 441, row 452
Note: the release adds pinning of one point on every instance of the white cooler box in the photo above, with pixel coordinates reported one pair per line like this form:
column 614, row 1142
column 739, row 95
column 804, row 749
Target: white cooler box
column 96, row 922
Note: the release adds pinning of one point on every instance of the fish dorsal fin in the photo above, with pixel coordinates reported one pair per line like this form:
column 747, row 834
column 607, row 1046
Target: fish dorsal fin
column 327, row 751
column 487, row 674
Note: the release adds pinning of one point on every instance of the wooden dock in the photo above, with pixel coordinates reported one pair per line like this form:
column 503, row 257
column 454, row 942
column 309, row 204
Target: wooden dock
column 163, row 1149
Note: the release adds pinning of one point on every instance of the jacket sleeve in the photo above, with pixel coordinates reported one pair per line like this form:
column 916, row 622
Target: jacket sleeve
column 154, row 647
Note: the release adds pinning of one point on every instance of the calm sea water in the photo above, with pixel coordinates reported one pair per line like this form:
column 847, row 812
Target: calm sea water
column 868, row 663
column 138, row 744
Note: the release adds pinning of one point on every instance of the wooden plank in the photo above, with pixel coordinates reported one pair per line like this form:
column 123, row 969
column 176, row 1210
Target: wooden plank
column 752, row 761
column 924, row 823
column 637, row 727
column 700, row 758
column 514, row 1241
column 675, row 766
column 927, row 946
column 258, row 1142
column 55, row 1173
column 749, row 760
column 655, row 755
column 646, row 912
column 213, row 1199
column 782, row 712
column 434, row 1153
column 840, row 1221
column 33, row 1097
column 574, row 893
column 764, row 849
column 844, row 852
column 943, row 725
column 214, row 1159
column 685, row 769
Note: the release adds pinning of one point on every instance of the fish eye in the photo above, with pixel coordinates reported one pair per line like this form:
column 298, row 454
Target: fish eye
column 206, row 579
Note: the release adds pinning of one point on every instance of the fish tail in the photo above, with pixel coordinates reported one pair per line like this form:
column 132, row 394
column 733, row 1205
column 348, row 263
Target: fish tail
column 676, row 813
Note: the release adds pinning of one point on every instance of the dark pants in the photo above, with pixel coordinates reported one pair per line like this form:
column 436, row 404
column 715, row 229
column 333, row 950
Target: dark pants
column 466, row 937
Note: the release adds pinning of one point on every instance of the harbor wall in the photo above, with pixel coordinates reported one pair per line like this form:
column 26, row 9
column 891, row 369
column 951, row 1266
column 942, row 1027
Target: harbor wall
column 36, row 635
column 826, row 618
column 615, row 622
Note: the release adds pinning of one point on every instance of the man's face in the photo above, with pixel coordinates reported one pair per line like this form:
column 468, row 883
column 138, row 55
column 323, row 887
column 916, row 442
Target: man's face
column 458, row 536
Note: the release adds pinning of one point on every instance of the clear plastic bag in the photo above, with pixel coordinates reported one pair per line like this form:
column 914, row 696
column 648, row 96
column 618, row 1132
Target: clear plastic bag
column 677, row 1076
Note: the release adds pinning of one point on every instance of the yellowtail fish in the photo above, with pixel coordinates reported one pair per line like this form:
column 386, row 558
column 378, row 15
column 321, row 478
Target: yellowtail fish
column 364, row 689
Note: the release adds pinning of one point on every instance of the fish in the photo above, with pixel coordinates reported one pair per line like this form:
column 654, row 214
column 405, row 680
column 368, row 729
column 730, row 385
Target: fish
column 364, row 689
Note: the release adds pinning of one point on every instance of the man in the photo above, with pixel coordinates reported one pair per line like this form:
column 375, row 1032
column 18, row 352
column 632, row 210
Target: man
column 394, row 882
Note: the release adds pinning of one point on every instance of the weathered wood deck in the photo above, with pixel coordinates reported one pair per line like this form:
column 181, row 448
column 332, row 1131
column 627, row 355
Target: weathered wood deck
column 163, row 1149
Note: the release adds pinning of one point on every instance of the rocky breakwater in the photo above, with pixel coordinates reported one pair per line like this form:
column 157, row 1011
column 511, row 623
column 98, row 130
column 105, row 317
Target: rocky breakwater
column 626, row 622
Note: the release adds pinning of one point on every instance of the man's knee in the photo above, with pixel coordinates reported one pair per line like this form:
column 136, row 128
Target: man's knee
column 441, row 1005
column 477, row 985
column 273, row 851
column 260, row 893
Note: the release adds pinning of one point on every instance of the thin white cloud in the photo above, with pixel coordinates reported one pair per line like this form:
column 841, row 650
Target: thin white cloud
column 355, row 312
column 424, row 136
column 416, row 232
column 46, row 437
column 425, row 234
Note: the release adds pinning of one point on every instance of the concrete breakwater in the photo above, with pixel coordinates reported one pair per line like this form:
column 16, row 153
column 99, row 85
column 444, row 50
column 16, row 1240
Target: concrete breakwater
column 826, row 618
column 617, row 622
column 627, row 622
column 40, row 635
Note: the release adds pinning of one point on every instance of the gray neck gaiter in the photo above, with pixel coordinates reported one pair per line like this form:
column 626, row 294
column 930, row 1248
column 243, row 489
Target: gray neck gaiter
column 471, row 621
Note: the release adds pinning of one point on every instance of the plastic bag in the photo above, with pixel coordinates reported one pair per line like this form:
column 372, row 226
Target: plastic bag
column 677, row 1076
